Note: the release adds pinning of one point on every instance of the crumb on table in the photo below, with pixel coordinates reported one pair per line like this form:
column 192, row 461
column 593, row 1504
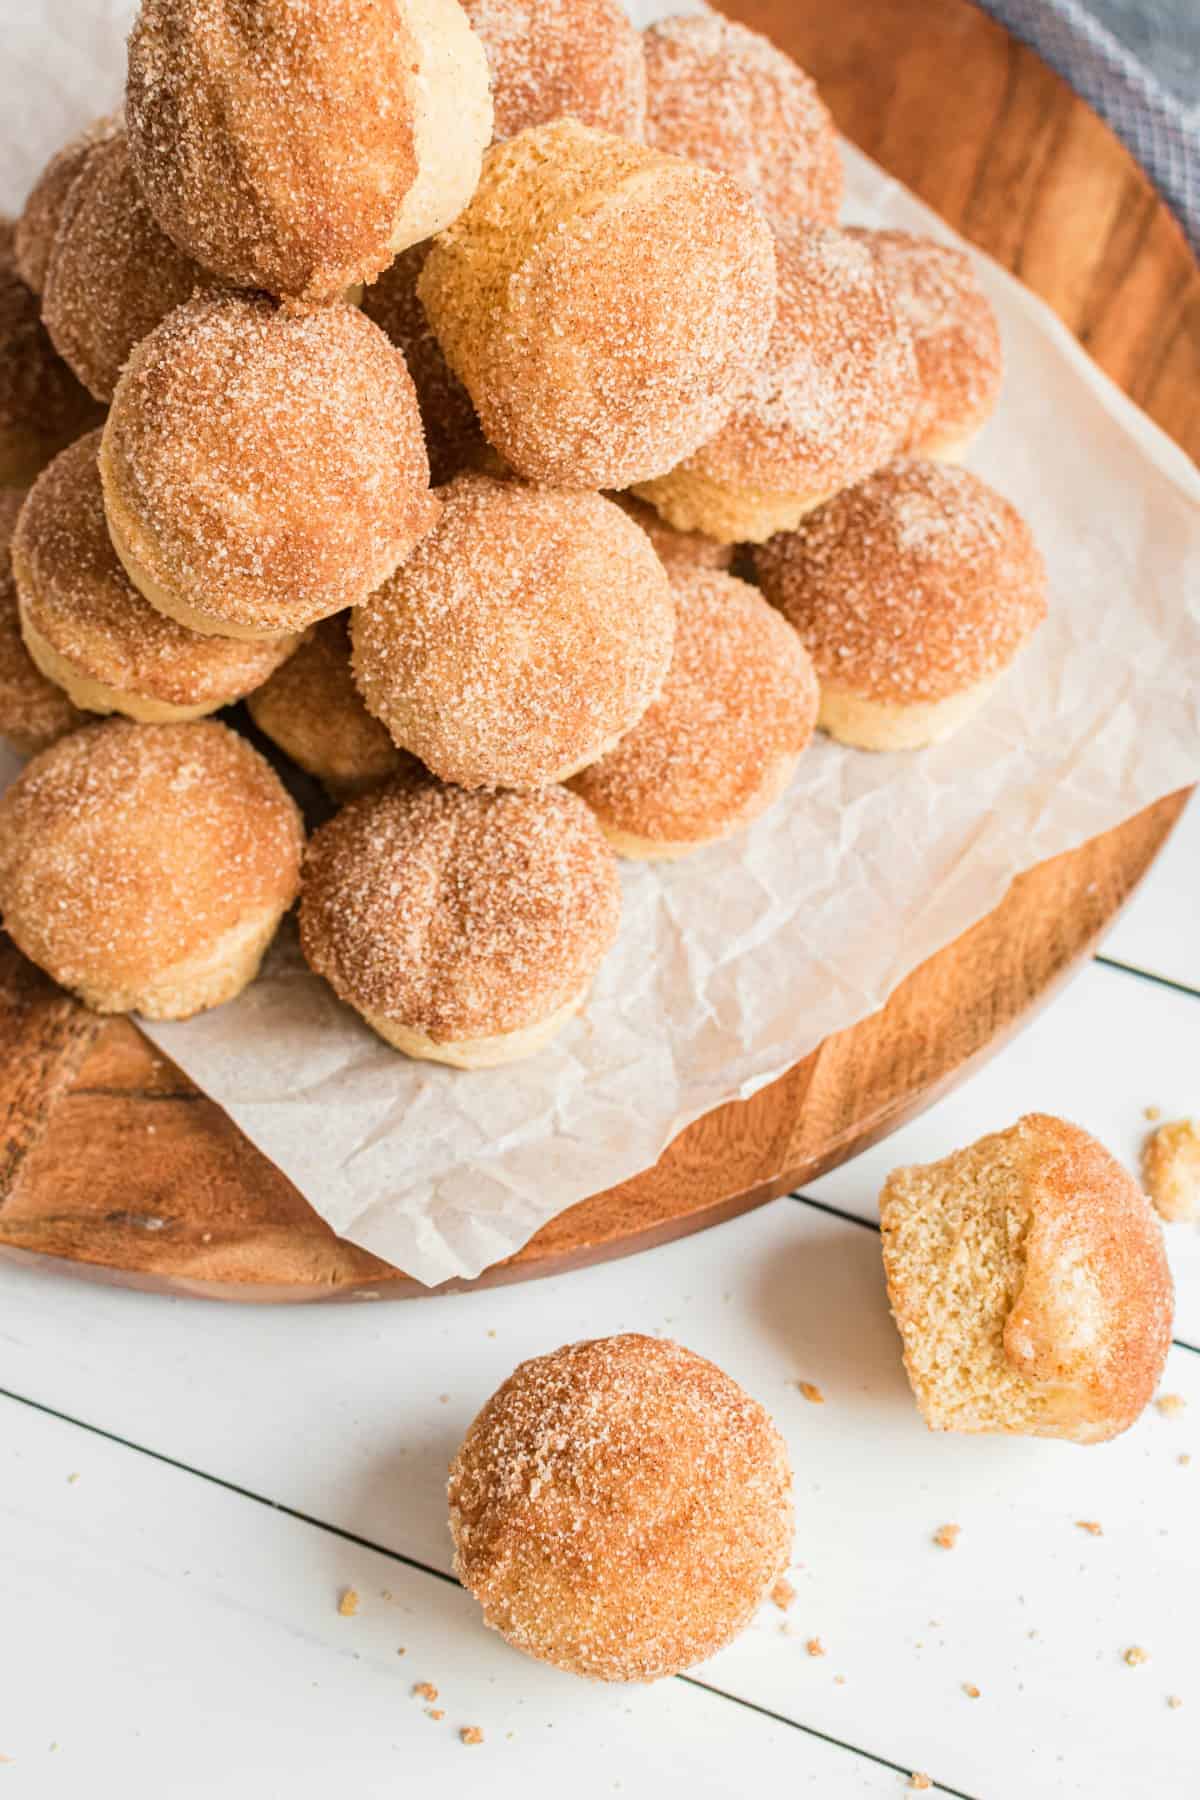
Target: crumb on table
column 1092, row 1526
column 1169, row 1405
column 783, row 1593
column 1136, row 1655
column 1171, row 1169
column 1152, row 1113
column 811, row 1392
column 348, row 1602
column 970, row 1690
column 436, row 1712
column 920, row 1780
column 471, row 1734
column 1174, row 1701
column 947, row 1536
column 424, row 1690
column 815, row 1646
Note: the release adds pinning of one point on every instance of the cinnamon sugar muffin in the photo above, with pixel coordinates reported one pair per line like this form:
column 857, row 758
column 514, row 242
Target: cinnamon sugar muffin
column 263, row 467
column 725, row 96
column 602, row 304
column 1029, row 1282
column 111, row 274
column 551, row 59
column 299, row 145
column 89, row 629
column 620, row 1508
column 42, row 405
column 522, row 637
column 146, row 867
column 831, row 401
column 721, row 742
column 960, row 364
column 33, row 711
column 37, row 226
column 912, row 593
column 313, row 711
column 466, row 928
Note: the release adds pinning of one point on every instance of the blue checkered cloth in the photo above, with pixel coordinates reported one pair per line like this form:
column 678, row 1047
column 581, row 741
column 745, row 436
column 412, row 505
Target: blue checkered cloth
column 1162, row 131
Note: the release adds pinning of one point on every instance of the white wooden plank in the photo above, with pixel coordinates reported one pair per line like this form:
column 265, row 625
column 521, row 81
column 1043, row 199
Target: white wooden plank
column 338, row 1412
column 1159, row 930
column 1103, row 1051
column 166, row 1637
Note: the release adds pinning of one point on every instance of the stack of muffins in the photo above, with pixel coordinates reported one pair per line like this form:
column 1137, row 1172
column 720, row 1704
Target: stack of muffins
column 586, row 281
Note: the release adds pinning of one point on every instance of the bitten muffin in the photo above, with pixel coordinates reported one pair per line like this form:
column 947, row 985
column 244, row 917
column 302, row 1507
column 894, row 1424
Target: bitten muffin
column 298, row 145
column 263, row 467
column 146, row 867
column 1029, row 1282
column 465, row 928
column 912, row 593
column 620, row 1508
column 602, row 304
column 721, row 742
column 522, row 637
column 553, row 59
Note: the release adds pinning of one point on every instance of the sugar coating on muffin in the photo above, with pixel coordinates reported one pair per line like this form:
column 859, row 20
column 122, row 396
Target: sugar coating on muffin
column 620, row 1508
column 551, row 59
column 522, row 637
column 37, row 226
column 298, row 145
column 720, row 743
column 602, row 304
column 1029, row 1282
column 465, row 927
column 723, row 95
column 912, row 592
column 263, row 467
column 146, row 867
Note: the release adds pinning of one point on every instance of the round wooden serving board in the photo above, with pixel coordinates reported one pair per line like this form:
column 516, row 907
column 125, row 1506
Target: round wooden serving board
column 113, row 1164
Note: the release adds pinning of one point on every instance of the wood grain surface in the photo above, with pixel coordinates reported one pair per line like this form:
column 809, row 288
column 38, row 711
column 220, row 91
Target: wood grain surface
column 112, row 1161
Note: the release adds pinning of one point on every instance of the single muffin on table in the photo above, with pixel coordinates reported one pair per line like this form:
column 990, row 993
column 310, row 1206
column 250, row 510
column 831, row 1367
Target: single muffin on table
column 553, row 59
column 313, row 711
column 465, row 928
column 34, row 712
column 37, row 226
column 524, row 635
column 620, row 1508
column 831, row 401
column 263, row 467
column 1028, row 1279
column 111, row 275
column 602, row 304
column 298, row 145
column 960, row 363
column 146, row 867
column 912, row 593
column 89, row 629
column 721, row 742
column 42, row 404
column 720, row 94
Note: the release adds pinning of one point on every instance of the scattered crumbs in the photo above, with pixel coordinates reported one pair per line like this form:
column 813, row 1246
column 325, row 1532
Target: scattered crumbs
column 436, row 1712
column 348, row 1602
column 491, row 1334
column 1169, row 1405
column 1171, row 1169
column 73, row 1478
column 401, row 1651
column 443, row 1399
column 1174, row 1701
column 471, row 1734
column 783, row 1593
column 839, row 1681
column 815, row 1647
column 424, row 1690
column 811, row 1392
column 385, row 1593
column 1184, row 1460
column 970, row 1690
column 947, row 1536
column 1136, row 1655
column 1152, row 1113
column 1092, row 1526
column 920, row 1780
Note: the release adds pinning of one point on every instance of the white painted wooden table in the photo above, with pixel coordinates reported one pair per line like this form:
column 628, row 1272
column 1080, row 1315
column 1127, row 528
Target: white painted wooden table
column 186, row 1489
